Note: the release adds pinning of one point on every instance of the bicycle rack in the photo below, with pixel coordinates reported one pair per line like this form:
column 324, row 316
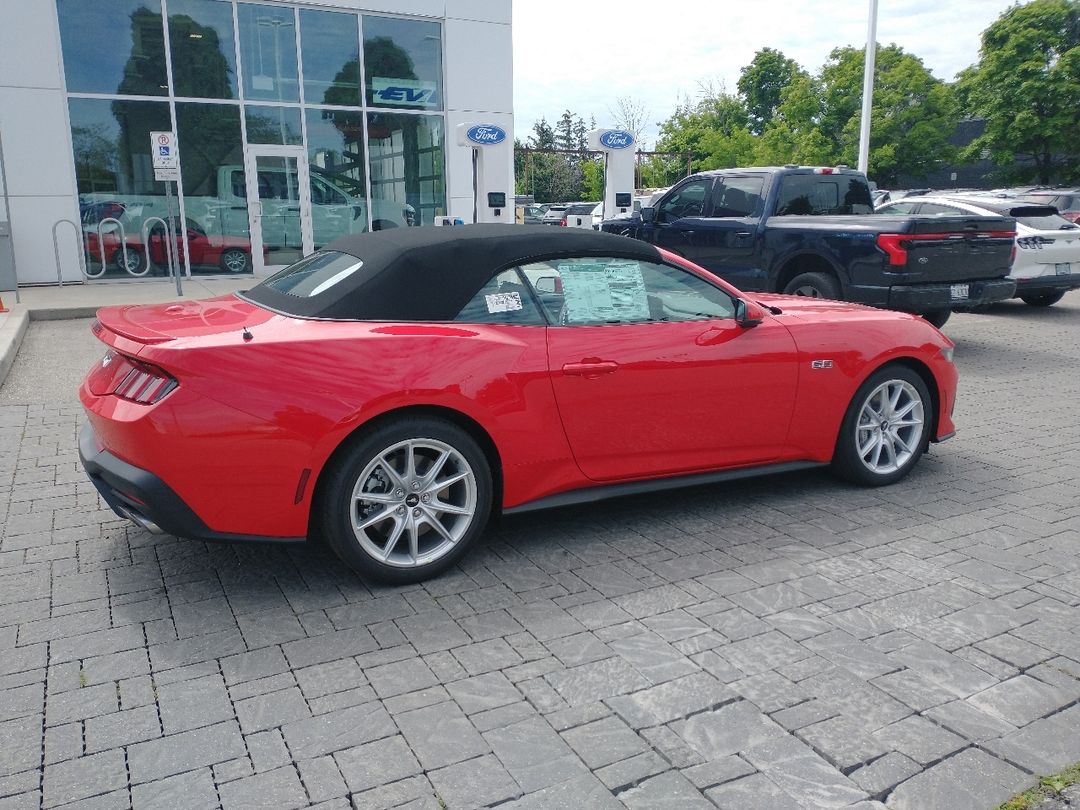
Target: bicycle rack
column 123, row 247
column 78, row 241
column 170, row 249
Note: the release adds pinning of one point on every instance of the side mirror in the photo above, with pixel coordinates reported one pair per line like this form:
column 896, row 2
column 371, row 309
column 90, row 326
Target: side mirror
column 648, row 214
column 748, row 314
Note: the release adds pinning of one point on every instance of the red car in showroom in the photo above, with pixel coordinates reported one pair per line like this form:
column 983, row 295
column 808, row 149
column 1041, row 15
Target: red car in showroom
column 231, row 254
column 393, row 390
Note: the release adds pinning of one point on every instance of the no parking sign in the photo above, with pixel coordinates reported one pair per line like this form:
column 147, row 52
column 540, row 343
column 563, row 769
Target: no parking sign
column 166, row 155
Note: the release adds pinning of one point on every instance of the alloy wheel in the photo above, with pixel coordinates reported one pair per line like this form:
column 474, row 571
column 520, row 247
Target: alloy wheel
column 413, row 502
column 889, row 430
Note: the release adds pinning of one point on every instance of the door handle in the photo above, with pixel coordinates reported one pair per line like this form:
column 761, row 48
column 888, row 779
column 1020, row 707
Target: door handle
column 590, row 368
column 712, row 336
column 743, row 234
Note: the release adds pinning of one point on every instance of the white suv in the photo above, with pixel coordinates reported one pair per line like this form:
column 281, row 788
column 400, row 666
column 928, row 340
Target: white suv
column 1047, row 263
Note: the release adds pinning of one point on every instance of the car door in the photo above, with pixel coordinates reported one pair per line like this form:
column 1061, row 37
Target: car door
column 725, row 242
column 679, row 214
column 652, row 375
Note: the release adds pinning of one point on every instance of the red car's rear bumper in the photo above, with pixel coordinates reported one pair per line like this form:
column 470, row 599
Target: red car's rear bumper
column 142, row 497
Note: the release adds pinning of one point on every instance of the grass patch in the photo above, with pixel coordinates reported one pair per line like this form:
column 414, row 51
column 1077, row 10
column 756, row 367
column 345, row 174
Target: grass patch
column 1049, row 787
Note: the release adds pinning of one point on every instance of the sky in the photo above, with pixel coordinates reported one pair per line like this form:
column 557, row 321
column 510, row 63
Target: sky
column 582, row 56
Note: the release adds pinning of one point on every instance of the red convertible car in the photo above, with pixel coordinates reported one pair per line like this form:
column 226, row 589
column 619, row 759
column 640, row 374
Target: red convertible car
column 231, row 254
column 391, row 391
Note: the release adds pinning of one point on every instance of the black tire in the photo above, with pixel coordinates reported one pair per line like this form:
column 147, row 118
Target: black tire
column 364, row 458
column 136, row 265
column 847, row 461
column 938, row 317
column 1044, row 300
column 814, row 285
column 235, row 260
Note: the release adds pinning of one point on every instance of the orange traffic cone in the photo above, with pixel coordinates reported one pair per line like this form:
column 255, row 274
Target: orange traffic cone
column 2, row 307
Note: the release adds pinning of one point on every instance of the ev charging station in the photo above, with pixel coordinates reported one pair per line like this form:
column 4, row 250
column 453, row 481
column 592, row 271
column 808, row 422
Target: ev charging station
column 492, row 159
column 618, row 148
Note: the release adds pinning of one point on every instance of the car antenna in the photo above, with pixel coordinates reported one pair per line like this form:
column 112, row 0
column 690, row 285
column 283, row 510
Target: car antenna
column 246, row 335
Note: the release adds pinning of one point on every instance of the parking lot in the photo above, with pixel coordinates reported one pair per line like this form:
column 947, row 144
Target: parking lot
column 789, row 642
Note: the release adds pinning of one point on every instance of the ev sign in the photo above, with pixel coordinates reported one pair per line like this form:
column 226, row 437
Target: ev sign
column 166, row 155
column 408, row 92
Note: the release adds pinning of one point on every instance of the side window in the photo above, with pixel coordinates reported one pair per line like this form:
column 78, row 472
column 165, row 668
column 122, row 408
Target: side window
column 688, row 201
column 737, row 196
column 504, row 299
column 597, row 291
column 935, row 208
column 821, row 194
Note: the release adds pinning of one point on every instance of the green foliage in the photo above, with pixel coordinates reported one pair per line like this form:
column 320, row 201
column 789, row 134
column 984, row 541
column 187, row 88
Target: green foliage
column 912, row 118
column 761, row 84
column 554, row 177
column 1049, row 787
column 1027, row 86
column 593, row 186
column 715, row 130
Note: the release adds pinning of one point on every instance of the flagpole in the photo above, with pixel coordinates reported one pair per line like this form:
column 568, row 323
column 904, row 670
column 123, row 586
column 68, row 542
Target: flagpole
column 868, row 88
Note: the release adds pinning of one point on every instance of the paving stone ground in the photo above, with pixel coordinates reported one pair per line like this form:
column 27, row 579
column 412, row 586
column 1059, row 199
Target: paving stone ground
column 791, row 642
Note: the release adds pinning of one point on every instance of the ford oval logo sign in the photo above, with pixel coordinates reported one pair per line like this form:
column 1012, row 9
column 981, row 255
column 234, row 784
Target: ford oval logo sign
column 486, row 134
column 617, row 139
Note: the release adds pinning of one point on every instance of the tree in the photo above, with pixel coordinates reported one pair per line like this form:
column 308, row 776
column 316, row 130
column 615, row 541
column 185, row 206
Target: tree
column 630, row 115
column 761, row 84
column 711, row 129
column 1027, row 86
column 913, row 113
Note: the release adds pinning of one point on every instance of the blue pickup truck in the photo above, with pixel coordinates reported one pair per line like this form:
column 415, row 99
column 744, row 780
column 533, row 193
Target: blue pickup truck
column 813, row 231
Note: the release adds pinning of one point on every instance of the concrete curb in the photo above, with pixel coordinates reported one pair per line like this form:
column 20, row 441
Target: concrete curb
column 13, row 326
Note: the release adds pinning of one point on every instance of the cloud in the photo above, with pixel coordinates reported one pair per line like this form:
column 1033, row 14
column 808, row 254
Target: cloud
column 582, row 56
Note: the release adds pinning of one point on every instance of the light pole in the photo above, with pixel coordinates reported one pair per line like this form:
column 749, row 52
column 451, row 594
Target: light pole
column 868, row 89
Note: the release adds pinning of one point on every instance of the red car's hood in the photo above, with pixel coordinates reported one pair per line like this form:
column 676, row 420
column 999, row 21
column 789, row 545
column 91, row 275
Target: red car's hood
column 157, row 323
column 801, row 305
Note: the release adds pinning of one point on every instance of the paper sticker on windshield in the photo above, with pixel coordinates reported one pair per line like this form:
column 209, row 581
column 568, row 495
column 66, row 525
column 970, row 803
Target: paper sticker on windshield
column 503, row 302
column 604, row 292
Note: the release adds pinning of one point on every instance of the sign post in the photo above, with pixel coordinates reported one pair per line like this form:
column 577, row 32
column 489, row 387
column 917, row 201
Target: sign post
column 618, row 148
column 493, row 162
column 166, row 156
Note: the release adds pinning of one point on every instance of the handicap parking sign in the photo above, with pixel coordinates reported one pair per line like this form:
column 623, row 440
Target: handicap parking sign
column 163, row 148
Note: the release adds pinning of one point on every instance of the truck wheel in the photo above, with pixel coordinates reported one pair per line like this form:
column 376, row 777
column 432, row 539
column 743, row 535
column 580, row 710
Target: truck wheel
column 937, row 317
column 813, row 285
column 1045, row 300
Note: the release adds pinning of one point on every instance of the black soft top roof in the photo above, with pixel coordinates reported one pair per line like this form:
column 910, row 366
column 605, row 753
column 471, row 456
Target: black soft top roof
column 429, row 274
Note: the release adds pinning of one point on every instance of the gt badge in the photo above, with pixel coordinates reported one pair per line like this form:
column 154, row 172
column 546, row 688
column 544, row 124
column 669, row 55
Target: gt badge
column 821, row 364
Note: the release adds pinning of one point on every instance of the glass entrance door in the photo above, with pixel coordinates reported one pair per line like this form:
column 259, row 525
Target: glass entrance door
column 279, row 206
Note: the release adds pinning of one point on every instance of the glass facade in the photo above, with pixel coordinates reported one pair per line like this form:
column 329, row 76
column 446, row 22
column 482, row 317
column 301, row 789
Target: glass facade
column 236, row 80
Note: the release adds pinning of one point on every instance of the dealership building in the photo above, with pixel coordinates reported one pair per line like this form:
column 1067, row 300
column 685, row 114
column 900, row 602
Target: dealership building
column 293, row 123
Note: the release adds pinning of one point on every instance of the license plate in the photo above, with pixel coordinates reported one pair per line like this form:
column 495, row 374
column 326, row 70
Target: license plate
column 1064, row 269
column 958, row 292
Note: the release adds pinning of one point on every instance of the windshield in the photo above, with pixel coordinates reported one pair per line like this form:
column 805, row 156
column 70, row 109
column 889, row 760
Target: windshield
column 1048, row 222
column 313, row 275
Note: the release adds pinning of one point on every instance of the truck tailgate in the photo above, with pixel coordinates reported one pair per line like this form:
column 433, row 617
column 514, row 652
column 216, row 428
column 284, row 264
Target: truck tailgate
column 937, row 249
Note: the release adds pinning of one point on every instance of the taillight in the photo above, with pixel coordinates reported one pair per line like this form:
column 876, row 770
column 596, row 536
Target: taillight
column 143, row 383
column 891, row 244
column 563, row 222
column 896, row 245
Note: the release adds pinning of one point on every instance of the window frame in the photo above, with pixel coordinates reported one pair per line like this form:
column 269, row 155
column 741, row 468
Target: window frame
column 550, row 322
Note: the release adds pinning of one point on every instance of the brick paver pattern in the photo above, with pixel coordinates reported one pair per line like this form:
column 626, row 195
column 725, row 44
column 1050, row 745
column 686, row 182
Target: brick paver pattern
column 787, row 642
